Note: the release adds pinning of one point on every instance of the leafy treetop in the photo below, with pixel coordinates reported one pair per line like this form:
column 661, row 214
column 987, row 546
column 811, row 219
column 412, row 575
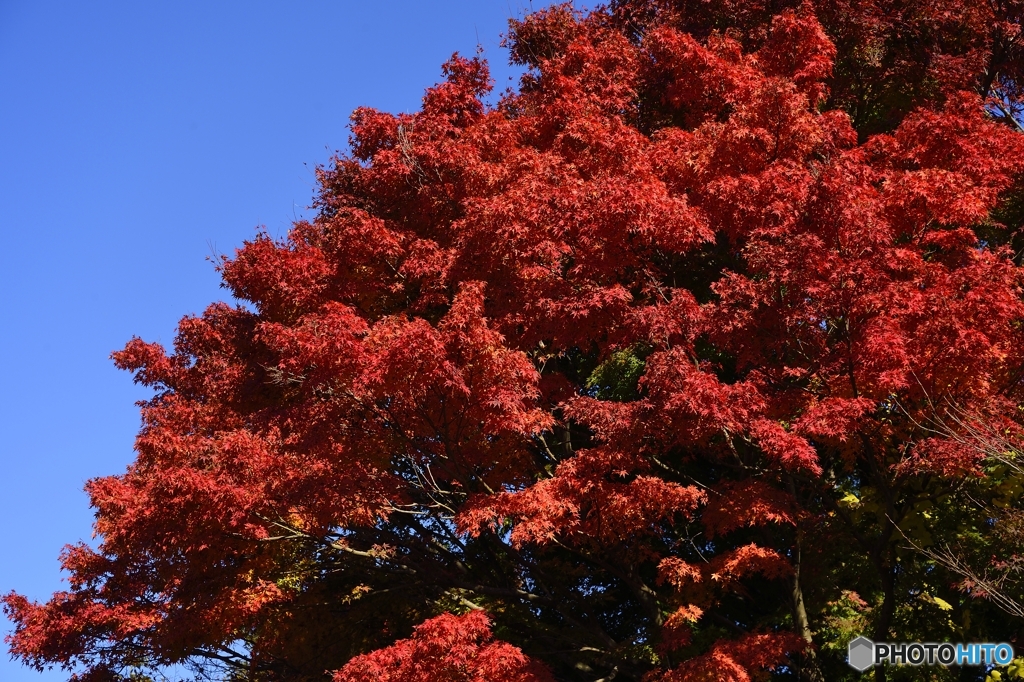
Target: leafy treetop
column 634, row 375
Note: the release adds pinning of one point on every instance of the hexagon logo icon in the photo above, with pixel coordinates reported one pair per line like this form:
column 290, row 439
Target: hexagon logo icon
column 860, row 653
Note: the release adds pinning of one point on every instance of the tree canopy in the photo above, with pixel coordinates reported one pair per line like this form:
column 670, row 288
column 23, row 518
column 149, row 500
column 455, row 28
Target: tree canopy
column 692, row 358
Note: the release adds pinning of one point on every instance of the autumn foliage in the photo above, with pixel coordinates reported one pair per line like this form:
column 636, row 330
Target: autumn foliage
column 633, row 373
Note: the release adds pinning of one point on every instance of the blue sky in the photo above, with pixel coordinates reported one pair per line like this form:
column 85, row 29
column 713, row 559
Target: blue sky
column 135, row 140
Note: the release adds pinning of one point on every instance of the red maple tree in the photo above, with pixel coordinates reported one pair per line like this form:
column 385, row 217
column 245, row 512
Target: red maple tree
column 627, row 376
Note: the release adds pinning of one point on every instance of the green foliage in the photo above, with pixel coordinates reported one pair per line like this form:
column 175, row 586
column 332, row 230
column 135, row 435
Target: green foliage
column 617, row 378
column 1012, row 671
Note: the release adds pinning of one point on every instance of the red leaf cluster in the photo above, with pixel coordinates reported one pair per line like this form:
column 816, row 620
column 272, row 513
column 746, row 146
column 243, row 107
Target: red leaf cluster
column 449, row 648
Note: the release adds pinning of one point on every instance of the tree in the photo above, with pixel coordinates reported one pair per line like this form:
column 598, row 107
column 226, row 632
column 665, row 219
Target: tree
column 629, row 376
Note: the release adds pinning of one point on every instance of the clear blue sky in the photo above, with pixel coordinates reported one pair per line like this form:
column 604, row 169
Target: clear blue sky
column 136, row 137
